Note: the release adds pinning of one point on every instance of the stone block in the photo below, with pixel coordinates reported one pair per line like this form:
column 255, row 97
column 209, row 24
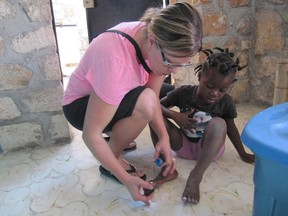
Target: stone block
column 18, row 136
column 44, row 100
column 267, row 66
column 269, row 34
column 51, row 67
column 215, row 24
column 59, row 129
column 7, row 10
column 239, row 3
column 13, row 77
column 37, row 11
column 231, row 44
column 245, row 44
column 8, row 109
column 240, row 91
column 31, row 41
column 244, row 26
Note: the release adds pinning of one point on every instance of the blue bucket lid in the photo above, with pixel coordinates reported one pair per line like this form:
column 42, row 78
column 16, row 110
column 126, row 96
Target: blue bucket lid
column 266, row 134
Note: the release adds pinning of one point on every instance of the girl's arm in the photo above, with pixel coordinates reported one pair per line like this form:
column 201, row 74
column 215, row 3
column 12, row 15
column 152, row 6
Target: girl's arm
column 181, row 119
column 234, row 136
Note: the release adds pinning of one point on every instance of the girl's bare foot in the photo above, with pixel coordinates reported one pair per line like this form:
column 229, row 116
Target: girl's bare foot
column 191, row 193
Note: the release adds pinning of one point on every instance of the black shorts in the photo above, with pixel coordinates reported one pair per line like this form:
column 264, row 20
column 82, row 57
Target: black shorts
column 75, row 111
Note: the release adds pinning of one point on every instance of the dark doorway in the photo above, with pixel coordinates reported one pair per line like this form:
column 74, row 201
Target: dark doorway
column 108, row 13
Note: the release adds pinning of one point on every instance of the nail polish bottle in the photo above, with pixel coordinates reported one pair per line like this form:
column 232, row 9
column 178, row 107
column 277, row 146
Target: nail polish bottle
column 159, row 161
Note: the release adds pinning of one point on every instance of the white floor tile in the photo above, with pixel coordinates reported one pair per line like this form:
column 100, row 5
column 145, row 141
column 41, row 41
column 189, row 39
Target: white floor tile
column 65, row 180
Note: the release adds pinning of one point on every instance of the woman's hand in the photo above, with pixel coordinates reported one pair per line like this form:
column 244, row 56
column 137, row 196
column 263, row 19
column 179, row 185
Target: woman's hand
column 135, row 186
column 163, row 147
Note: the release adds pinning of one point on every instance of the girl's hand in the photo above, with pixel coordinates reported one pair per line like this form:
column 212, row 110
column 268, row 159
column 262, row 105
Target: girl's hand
column 184, row 121
column 248, row 158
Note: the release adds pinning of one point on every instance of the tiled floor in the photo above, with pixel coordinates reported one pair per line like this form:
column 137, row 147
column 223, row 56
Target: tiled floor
column 65, row 180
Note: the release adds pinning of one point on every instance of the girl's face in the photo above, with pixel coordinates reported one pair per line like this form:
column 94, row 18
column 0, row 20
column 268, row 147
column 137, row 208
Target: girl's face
column 164, row 63
column 213, row 86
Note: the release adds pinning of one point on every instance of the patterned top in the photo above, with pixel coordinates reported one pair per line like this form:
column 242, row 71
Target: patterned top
column 184, row 98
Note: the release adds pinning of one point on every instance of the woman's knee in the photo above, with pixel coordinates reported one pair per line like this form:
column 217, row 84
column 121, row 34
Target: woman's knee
column 147, row 103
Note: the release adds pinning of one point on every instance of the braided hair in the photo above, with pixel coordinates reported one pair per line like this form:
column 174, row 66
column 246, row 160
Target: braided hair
column 221, row 62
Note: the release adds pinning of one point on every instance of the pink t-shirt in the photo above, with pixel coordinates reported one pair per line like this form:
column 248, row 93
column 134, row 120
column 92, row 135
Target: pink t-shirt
column 109, row 67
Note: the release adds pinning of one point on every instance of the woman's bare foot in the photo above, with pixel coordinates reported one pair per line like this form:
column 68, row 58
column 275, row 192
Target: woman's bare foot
column 191, row 193
column 160, row 179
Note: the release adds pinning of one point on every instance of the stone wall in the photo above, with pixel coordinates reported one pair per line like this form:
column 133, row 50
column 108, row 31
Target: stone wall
column 256, row 31
column 30, row 77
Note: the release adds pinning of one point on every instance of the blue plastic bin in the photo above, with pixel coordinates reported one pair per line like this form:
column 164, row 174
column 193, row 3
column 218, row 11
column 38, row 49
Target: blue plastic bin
column 266, row 134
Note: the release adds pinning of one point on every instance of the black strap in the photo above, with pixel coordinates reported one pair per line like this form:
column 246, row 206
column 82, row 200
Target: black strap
column 137, row 48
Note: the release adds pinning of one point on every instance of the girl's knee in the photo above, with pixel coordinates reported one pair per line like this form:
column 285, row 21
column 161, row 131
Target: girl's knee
column 218, row 124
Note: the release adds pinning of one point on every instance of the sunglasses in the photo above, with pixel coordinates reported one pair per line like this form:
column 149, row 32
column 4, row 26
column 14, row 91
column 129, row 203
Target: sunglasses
column 169, row 64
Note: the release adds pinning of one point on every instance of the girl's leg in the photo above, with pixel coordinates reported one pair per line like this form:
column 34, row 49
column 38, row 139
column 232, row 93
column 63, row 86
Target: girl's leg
column 212, row 141
column 175, row 135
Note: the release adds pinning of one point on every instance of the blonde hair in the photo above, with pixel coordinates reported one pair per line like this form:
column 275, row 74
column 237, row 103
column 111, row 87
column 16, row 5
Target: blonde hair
column 178, row 27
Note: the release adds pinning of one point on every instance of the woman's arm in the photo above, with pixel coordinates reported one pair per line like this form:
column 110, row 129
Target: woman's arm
column 163, row 146
column 98, row 115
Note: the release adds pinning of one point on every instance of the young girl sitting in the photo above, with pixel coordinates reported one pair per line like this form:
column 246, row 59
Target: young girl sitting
column 193, row 140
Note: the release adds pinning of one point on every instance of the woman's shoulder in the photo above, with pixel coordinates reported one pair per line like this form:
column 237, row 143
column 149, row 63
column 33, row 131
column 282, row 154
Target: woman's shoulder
column 129, row 28
column 109, row 42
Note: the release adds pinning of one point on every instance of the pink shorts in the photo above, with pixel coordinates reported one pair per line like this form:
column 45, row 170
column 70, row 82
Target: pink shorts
column 191, row 150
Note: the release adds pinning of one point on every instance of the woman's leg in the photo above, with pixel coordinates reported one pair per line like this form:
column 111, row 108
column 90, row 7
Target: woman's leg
column 75, row 112
column 166, row 87
column 125, row 130
column 131, row 146
column 133, row 114
column 212, row 141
